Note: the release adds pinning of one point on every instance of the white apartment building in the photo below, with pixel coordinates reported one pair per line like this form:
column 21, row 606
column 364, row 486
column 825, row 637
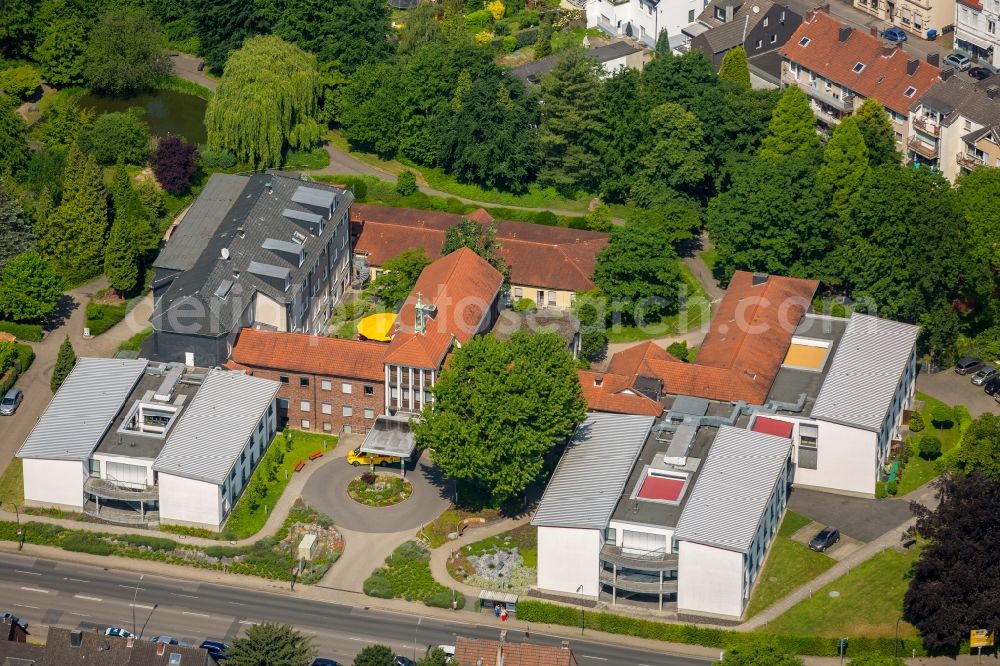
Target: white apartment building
column 976, row 30
column 644, row 20
column 917, row 17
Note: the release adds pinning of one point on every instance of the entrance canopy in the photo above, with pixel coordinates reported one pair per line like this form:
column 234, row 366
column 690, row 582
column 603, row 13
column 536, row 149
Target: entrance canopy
column 390, row 436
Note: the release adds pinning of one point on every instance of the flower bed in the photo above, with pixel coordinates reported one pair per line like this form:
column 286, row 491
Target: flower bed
column 373, row 489
column 407, row 575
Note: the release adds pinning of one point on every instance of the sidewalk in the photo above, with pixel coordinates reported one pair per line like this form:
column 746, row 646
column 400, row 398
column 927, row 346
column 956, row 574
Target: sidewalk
column 439, row 556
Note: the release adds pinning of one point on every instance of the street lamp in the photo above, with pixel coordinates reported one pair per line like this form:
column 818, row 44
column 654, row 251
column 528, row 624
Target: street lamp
column 20, row 531
column 134, row 597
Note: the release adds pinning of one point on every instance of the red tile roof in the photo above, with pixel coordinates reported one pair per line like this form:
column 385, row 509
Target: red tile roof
column 462, row 287
column 419, row 350
column 310, row 354
column 884, row 77
column 615, row 394
column 538, row 255
column 468, row 652
column 744, row 347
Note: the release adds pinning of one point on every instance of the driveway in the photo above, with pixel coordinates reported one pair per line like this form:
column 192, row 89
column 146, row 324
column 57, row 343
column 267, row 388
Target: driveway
column 954, row 389
column 856, row 517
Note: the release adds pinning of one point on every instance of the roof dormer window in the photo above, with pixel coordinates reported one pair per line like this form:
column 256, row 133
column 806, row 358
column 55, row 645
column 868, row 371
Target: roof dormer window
column 804, row 41
column 909, row 92
column 858, row 68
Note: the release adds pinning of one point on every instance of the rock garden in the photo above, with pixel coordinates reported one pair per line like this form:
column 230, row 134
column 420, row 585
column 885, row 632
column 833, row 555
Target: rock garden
column 506, row 561
column 379, row 489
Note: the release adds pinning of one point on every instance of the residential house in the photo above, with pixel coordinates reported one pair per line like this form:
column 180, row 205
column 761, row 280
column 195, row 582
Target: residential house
column 479, row 652
column 137, row 443
column 839, row 67
column 547, row 264
column 611, row 57
column 761, row 27
column 955, row 126
column 267, row 250
column 923, row 18
column 976, row 30
column 643, row 20
column 66, row 647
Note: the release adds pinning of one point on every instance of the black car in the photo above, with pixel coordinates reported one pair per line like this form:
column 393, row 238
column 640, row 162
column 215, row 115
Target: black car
column 403, row 661
column 320, row 661
column 826, row 538
column 980, row 73
column 967, row 365
column 992, row 387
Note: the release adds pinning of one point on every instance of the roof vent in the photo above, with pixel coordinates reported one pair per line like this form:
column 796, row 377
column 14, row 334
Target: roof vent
column 161, row 649
column 241, row 232
column 598, row 380
column 758, row 279
column 934, row 59
column 565, row 645
column 224, row 253
column 75, row 638
column 992, row 91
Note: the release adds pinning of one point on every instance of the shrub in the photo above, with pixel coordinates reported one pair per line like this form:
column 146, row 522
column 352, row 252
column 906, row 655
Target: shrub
column 525, row 305
column 224, row 551
column 369, row 478
column 21, row 82
column 377, row 585
column 496, row 9
column 101, row 317
column 501, row 29
column 930, row 447
column 942, row 416
column 917, row 422
column 962, row 417
column 880, row 490
column 443, row 598
column 892, row 487
column 117, row 136
column 356, row 185
column 217, row 159
column 154, row 543
column 28, row 332
column 174, row 162
column 406, row 183
column 526, row 37
column 679, row 350
column 482, row 37
column 478, row 21
column 527, row 18
column 25, row 356
column 83, row 542
column 546, row 217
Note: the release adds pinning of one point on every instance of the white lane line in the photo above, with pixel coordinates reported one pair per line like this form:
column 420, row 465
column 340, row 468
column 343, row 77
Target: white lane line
column 587, row 656
column 247, row 622
column 26, row 606
column 130, row 587
column 237, row 603
column 80, row 614
column 34, row 589
column 78, row 580
column 363, row 640
column 83, row 596
column 141, row 606
column 196, row 614
column 30, row 573
column 189, row 596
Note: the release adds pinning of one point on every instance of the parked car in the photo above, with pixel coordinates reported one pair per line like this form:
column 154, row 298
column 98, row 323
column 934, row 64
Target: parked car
column 983, row 375
column 403, row 661
column 826, row 538
column 356, row 457
column 166, row 640
column 992, row 386
column 11, row 401
column 959, row 61
column 320, row 661
column 894, row 34
column 216, row 649
column 980, row 73
column 13, row 619
column 967, row 364
column 117, row 631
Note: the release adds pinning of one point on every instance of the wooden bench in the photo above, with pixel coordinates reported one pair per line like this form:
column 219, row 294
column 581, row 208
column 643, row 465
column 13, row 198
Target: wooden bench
column 315, row 454
column 298, row 467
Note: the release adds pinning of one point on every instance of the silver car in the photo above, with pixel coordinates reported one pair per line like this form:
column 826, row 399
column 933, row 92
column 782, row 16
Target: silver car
column 984, row 375
column 11, row 401
column 959, row 61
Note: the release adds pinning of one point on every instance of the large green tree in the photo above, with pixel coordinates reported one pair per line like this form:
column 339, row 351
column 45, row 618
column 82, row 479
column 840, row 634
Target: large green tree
column 735, row 67
column 125, row 53
column 977, row 195
column 880, row 138
column 266, row 102
column 223, row 25
column 16, row 35
column 479, row 238
column 121, row 256
column 374, row 655
column 499, row 409
column 348, row 33
column 570, row 123
column 62, row 120
column 980, row 450
column 420, row 28
column 845, row 163
column 127, row 206
column 398, row 275
column 61, row 51
column 64, row 364
column 30, row 289
column 435, row 657
column 675, row 163
column 792, row 130
column 72, row 237
column 115, row 137
column 16, row 235
column 271, row 644
column 13, row 140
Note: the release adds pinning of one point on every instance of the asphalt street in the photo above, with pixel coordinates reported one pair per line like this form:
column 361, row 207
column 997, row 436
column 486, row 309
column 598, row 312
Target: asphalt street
column 53, row 593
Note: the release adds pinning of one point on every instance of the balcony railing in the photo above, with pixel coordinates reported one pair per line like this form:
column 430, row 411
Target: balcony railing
column 970, row 162
column 921, row 147
column 843, row 103
column 120, row 516
column 631, row 585
column 112, row 490
column 926, row 126
column 646, row 560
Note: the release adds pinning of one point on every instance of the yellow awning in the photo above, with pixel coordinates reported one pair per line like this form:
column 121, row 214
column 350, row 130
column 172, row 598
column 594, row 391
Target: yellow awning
column 377, row 327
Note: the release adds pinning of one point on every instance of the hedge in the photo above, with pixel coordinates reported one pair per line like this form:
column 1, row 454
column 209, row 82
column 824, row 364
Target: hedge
column 526, row 37
column 546, row 613
column 28, row 332
column 101, row 317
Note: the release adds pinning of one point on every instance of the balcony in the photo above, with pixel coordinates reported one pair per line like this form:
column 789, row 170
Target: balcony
column 650, row 560
column 645, row 586
column 120, row 516
column 970, row 162
column 843, row 103
column 111, row 490
column 926, row 126
column 922, row 148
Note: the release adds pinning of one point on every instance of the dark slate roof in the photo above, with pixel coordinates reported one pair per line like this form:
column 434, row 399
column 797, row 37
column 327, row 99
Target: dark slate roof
column 200, row 300
column 959, row 95
column 729, row 35
column 533, row 71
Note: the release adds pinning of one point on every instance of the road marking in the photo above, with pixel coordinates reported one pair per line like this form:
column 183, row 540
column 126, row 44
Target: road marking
column 363, row 640
column 587, row 656
column 34, row 589
column 189, row 596
column 198, row 614
column 82, row 596
column 247, row 622
column 141, row 606
column 78, row 580
column 30, row 573
column 80, row 614
column 131, row 587
column 26, row 606
column 237, row 603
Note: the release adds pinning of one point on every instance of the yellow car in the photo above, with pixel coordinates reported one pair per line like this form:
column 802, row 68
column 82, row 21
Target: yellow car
column 356, row 457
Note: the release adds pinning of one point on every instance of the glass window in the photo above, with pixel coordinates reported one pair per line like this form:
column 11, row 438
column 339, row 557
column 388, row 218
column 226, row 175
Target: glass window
column 346, row 387
column 260, row 426
column 283, row 379
column 327, row 427
column 369, row 413
column 518, row 292
column 808, row 446
column 610, row 535
column 95, row 467
column 348, row 410
column 327, row 408
column 326, row 385
column 305, row 424
column 690, row 16
column 303, row 381
column 765, row 22
column 369, row 389
column 552, row 298
column 758, row 44
column 304, row 405
column 774, row 39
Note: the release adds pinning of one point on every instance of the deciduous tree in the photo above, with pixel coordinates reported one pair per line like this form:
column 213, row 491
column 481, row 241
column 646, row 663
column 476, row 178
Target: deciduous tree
column 62, row 120
column 499, row 409
column 980, row 450
column 398, row 275
column 223, row 25
column 64, row 364
column 436, row 657
column 421, row 27
column 735, row 67
column 792, row 130
column 30, row 289
column 880, row 138
column 845, row 163
column 674, row 165
column 478, row 238
column 977, row 195
column 348, row 33
column 115, row 137
column 125, row 53
column 271, row 644
column 174, row 163
column 374, row 655
column 13, row 140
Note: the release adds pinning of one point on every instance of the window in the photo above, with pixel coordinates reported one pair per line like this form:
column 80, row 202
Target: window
column 782, row 17
column 304, row 405
column 369, row 389
column 346, row 387
column 305, row 424
column 968, row 124
column 539, row 298
column 348, row 410
column 764, row 22
column 552, row 298
column 610, row 535
column 758, row 44
column 991, row 27
column 774, row 38
column 347, row 429
column 394, row 392
column 243, row 457
column 326, row 408
column 232, row 474
column 804, row 41
column 326, row 384
column 720, row 13
column 518, row 292
column 283, row 379
column 808, row 445
column 327, row 427
column 858, row 68
column 283, row 403
column 690, row 16
column 95, row 467
column 909, row 92
column 369, row 413
column 260, row 426
column 270, row 409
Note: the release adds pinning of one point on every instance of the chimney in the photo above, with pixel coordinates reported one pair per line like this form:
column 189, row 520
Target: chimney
column 161, row 648
column 992, row 91
column 888, row 50
column 565, row 645
column 844, row 33
column 76, row 639
column 934, row 59
column 911, row 66
column 598, row 380
column 946, row 73
column 825, row 8
column 873, row 31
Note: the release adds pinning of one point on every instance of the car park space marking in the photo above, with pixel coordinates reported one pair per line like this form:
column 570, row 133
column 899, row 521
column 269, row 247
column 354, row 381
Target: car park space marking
column 189, row 596
column 80, row 614
column 30, row 573
column 81, row 596
column 34, row 589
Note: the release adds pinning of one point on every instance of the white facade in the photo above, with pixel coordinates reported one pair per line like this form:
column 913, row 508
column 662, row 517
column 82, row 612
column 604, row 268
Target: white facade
column 569, row 560
column 647, row 19
column 712, row 581
column 976, row 30
column 190, row 502
column 54, row 483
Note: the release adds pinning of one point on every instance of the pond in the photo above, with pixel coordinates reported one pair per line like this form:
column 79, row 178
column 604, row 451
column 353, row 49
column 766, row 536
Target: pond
column 167, row 111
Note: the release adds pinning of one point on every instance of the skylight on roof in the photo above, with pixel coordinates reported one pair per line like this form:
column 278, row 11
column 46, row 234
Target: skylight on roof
column 909, row 92
column 858, row 68
column 804, row 41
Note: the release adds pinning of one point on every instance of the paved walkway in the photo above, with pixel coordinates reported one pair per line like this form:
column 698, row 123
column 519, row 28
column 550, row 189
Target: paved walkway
column 186, row 67
column 440, row 556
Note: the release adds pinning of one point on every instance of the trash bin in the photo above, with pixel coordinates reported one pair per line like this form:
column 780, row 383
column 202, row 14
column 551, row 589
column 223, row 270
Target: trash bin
column 931, row 35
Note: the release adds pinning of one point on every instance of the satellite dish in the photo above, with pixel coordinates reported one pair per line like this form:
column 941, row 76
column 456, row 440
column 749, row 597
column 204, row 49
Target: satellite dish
column 756, row 9
column 225, row 254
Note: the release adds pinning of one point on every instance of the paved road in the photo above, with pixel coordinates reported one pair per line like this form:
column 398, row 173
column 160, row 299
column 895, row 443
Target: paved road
column 55, row 593
column 954, row 389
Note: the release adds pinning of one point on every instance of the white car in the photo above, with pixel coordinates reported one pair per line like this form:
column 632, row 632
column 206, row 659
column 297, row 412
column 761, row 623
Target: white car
column 118, row 631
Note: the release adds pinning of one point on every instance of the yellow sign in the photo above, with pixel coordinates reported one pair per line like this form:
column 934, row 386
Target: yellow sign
column 981, row 638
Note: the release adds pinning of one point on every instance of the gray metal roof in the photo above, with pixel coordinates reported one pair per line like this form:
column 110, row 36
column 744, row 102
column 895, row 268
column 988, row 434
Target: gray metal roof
column 592, row 473
column 958, row 95
column 730, row 497
column 315, row 197
column 83, row 408
column 861, row 383
column 216, row 426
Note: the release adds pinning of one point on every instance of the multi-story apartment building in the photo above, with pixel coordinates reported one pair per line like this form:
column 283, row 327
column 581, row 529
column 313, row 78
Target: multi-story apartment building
column 955, row 126
column 644, row 20
column 267, row 250
column 916, row 17
column 759, row 26
column 839, row 67
column 976, row 30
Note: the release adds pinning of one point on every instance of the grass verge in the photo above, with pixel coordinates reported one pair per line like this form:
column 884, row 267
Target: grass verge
column 917, row 470
column 270, row 478
column 135, row 342
column 436, row 532
column 314, row 158
column 407, row 575
column 697, row 309
column 12, row 485
column 178, row 84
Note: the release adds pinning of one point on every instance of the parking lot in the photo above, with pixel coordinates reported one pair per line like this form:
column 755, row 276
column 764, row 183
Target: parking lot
column 955, row 389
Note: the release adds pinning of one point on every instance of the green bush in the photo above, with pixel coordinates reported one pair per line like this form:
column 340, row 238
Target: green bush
column 502, row 28
column 151, row 542
column 101, row 317
column 880, row 490
column 891, row 487
column 526, row 37
column 377, row 585
column 224, row 551
column 917, row 422
column 526, row 18
column 85, row 542
column 930, row 447
column 525, row 305
column 679, row 350
column 406, row 183
column 20, row 82
column 443, row 598
column 546, row 217
column 25, row 355
column 942, row 416
column 478, row 20
column 216, row 159
column 962, row 417
column 117, row 136
column 28, row 332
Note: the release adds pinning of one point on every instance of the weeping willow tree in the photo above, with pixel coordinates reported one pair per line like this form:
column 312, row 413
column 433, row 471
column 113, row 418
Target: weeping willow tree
column 266, row 102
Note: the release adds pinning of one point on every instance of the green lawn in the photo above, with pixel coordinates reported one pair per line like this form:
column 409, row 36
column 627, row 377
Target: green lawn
column 919, row 471
column 135, row 342
column 710, row 257
column 249, row 515
column 869, row 602
column 12, row 485
column 696, row 310
column 789, row 565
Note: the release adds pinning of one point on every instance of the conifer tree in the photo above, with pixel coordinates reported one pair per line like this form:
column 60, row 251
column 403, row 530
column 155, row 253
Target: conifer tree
column 845, row 163
column 792, row 130
column 64, row 364
column 121, row 256
column 880, row 138
column 735, row 67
